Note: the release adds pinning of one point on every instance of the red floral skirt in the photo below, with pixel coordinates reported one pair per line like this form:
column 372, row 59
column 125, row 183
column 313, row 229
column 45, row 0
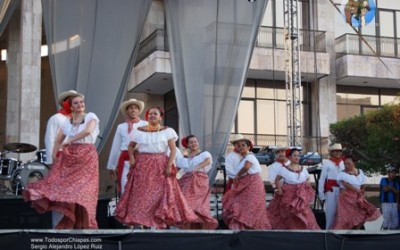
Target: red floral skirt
column 71, row 188
column 292, row 210
column 151, row 198
column 196, row 189
column 353, row 210
column 244, row 205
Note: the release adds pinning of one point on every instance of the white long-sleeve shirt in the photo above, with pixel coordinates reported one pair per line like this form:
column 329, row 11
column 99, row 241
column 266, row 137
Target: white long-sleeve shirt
column 232, row 160
column 121, row 142
column 53, row 127
column 273, row 170
column 329, row 171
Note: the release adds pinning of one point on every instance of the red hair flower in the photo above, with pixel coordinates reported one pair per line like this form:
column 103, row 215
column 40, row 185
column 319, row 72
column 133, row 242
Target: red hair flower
column 184, row 142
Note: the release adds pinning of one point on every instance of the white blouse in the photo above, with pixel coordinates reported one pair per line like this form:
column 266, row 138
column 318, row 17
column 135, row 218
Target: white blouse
column 291, row 177
column 255, row 165
column 153, row 142
column 70, row 130
column 355, row 181
column 189, row 163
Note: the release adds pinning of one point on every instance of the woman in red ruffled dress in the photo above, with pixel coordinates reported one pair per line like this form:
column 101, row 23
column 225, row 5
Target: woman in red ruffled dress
column 72, row 186
column 244, row 205
column 152, row 196
column 290, row 209
column 353, row 208
column 195, row 183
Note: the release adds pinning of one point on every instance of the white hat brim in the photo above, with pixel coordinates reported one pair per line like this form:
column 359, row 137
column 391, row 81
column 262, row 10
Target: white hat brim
column 129, row 102
column 66, row 94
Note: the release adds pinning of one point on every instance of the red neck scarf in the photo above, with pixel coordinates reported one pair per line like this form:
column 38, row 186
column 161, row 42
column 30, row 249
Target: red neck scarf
column 131, row 122
column 281, row 161
column 336, row 161
column 65, row 109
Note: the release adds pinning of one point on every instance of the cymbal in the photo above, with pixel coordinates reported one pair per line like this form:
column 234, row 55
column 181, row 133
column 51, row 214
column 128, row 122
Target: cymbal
column 19, row 147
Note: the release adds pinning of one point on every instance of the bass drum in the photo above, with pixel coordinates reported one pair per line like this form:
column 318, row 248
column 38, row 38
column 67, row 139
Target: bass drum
column 27, row 173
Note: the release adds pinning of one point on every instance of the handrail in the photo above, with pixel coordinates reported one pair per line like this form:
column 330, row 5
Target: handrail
column 267, row 37
column 367, row 45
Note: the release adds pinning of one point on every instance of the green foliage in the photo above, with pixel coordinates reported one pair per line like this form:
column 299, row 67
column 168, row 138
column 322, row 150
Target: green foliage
column 373, row 138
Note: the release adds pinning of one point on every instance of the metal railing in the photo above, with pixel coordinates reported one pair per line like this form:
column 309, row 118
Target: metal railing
column 367, row 45
column 268, row 37
column 273, row 37
column 156, row 41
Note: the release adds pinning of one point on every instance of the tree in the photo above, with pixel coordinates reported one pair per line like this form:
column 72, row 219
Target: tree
column 373, row 139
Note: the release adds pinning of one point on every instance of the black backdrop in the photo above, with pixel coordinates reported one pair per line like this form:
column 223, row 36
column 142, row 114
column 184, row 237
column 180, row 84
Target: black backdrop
column 218, row 240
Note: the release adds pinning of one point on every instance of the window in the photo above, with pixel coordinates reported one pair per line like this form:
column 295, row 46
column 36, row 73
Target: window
column 352, row 101
column 388, row 4
column 245, row 117
column 386, row 21
column 263, row 116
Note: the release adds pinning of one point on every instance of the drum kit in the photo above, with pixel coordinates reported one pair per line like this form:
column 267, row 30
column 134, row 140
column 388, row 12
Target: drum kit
column 18, row 174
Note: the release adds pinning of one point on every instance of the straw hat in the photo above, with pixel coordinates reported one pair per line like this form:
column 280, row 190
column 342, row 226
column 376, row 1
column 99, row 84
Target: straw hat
column 236, row 138
column 66, row 94
column 335, row 146
column 280, row 148
column 129, row 102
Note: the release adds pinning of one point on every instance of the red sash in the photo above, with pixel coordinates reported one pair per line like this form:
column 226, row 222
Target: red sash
column 123, row 156
column 329, row 184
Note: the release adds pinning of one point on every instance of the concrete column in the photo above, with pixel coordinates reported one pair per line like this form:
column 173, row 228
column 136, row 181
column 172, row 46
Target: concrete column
column 24, row 68
column 324, row 91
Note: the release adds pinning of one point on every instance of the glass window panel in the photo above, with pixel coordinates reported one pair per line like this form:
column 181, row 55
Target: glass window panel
column 271, row 117
column 279, row 13
column 389, row 99
column 364, row 99
column 249, row 90
column 388, row 4
column 246, row 117
column 369, row 29
column 347, row 111
column 341, row 27
column 299, row 6
column 398, row 23
column 386, row 23
column 271, row 90
column 268, row 16
column 365, row 110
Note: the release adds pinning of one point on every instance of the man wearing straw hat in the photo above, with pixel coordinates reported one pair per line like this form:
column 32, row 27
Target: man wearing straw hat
column 118, row 161
column 280, row 161
column 55, row 121
column 232, row 160
column 328, row 188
